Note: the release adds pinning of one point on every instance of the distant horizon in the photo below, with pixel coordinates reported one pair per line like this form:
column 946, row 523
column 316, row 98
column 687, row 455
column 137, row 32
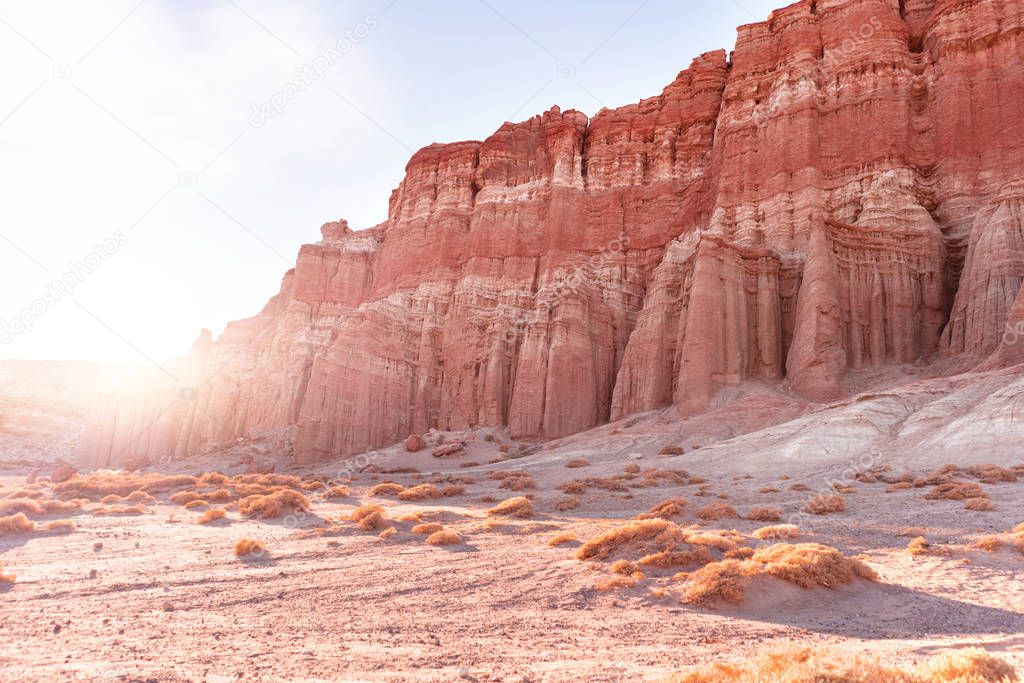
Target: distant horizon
column 168, row 160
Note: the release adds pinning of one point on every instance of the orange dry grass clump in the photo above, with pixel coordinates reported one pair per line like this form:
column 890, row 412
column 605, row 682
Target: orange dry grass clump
column 249, row 548
column 640, row 537
column 59, row 526
column 214, row 479
column 568, row 503
column 979, row 505
column 666, row 509
column 611, row 583
column 823, row 505
column 513, row 507
column 716, row 511
column 577, row 462
column 517, row 481
column 777, row 532
column 369, row 517
column 444, row 537
column 16, row 524
column 795, row 664
column 274, row 504
column 211, row 515
column 764, row 514
column 919, row 546
column 427, row 529
column 21, row 505
column 420, row 492
column 562, row 539
column 807, row 565
column 387, row 488
column 699, row 555
column 181, row 497
column 120, row 510
column 337, row 492
column 6, row 578
column 96, row 485
column 956, row 491
column 194, row 504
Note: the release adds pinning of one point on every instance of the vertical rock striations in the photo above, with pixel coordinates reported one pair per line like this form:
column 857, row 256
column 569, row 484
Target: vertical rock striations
column 822, row 202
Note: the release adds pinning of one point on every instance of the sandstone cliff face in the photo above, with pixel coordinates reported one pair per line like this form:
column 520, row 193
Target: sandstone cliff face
column 824, row 201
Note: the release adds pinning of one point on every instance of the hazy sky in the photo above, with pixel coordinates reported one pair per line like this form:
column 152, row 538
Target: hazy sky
column 159, row 167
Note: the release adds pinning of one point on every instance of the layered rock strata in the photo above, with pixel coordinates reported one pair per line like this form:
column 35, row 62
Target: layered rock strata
column 842, row 192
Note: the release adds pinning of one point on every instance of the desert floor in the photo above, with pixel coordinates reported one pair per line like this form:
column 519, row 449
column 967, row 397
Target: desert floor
column 157, row 597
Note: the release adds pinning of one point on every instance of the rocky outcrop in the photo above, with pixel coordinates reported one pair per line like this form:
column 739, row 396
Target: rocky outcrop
column 793, row 214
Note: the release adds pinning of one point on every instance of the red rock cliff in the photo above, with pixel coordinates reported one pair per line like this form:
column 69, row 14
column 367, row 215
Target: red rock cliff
column 843, row 192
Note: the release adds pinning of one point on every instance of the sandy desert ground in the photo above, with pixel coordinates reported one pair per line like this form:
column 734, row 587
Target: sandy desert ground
column 157, row 597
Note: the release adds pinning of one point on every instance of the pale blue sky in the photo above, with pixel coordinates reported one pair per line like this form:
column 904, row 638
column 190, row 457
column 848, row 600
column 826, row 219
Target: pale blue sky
column 133, row 121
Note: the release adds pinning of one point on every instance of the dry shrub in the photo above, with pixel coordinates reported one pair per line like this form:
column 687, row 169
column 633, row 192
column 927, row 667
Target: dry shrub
column 110, row 500
column 248, row 548
column 369, row 517
column 567, row 503
column 518, row 482
column 420, row 492
column 743, row 553
column 694, row 481
column 453, row 491
column 120, row 510
column 573, row 487
column 26, row 506
column 562, row 539
column 274, row 504
column 211, row 515
column 956, row 491
column 764, row 514
column 427, row 529
column 979, row 505
column 639, row 537
column 718, row 582
column 386, row 488
column 513, row 507
column 797, row 664
column 214, row 479
column 992, row 474
column 577, row 462
column 799, row 487
column 811, row 564
column 899, row 486
column 415, row 517
column 823, row 505
column 59, row 526
column 181, row 497
column 666, row 509
column 195, row 504
column 632, row 468
column 716, row 511
column 657, row 477
column 387, row 533
column 312, row 485
column 6, row 578
column 611, row 583
column 839, row 487
column 806, row 565
column 337, row 492
column 25, row 492
column 988, row 543
column 778, row 532
column 270, row 479
column 623, row 567
column 218, row 496
column 444, row 537
column 713, row 540
column 672, row 450
column 919, row 546
column 699, row 555
column 97, row 485
column 17, row 523
column 1019, row 529
column 768, row 489
column 967, row 666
